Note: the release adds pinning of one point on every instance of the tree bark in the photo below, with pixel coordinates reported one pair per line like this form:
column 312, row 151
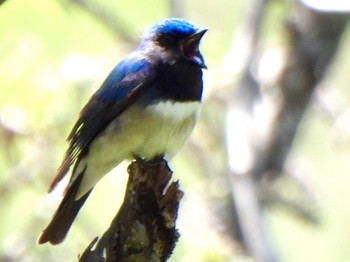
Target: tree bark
column 144, row 228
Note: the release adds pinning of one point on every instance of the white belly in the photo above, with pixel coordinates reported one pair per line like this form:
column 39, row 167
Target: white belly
column 162, row 129
column 174, row 125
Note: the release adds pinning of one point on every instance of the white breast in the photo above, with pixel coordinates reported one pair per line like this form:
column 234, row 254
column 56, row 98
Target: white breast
column 162, row 128
column 175, row 111
column 175, row 122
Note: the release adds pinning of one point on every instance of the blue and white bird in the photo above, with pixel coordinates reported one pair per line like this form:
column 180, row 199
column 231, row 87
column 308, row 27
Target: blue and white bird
column 147, row 107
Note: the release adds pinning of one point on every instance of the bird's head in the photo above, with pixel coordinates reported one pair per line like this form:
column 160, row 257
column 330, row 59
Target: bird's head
column 177, row 39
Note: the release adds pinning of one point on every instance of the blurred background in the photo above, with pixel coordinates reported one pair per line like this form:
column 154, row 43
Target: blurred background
column 266, row 172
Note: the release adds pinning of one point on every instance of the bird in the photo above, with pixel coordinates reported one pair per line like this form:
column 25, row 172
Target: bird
column 147, row 107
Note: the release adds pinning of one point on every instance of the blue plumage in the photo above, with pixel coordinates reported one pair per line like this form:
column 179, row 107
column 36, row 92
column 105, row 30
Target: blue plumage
column 147, row 107
column 174, row 26
column 116, row 87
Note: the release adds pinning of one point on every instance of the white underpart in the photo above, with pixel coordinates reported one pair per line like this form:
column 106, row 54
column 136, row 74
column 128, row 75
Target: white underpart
column 162, row 128
column 175, row 110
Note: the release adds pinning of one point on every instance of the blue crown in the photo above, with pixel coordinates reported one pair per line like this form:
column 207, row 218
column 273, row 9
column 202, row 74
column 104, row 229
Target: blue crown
column 173, row 26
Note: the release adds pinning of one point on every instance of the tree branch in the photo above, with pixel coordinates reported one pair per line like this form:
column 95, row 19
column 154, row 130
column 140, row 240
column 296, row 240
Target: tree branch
column 2, row 1
column 255, row 156
column 314, row 37
column 144, row 228
column 241, row 146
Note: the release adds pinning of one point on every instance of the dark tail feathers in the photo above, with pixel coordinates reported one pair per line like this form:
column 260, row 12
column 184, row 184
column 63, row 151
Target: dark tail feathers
column 63, row 219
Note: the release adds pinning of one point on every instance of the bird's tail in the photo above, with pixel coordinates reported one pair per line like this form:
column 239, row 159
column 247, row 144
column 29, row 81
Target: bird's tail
column 62, row 220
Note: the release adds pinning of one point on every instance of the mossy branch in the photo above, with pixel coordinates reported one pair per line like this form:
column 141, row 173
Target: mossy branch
column 144, row 228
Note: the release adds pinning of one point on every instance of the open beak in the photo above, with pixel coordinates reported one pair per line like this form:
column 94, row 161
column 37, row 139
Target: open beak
column 190, row 48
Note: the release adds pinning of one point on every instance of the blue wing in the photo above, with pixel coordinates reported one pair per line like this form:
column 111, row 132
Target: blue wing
column 121, row 88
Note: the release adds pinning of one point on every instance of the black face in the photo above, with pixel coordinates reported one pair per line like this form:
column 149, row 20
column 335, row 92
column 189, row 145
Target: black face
column 185, row 45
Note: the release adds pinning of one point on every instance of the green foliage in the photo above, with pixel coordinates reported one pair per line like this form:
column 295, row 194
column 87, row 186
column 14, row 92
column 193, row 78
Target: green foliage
column 53, row 55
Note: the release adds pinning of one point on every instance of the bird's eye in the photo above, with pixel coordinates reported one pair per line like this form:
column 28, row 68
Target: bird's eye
column 166, row 40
